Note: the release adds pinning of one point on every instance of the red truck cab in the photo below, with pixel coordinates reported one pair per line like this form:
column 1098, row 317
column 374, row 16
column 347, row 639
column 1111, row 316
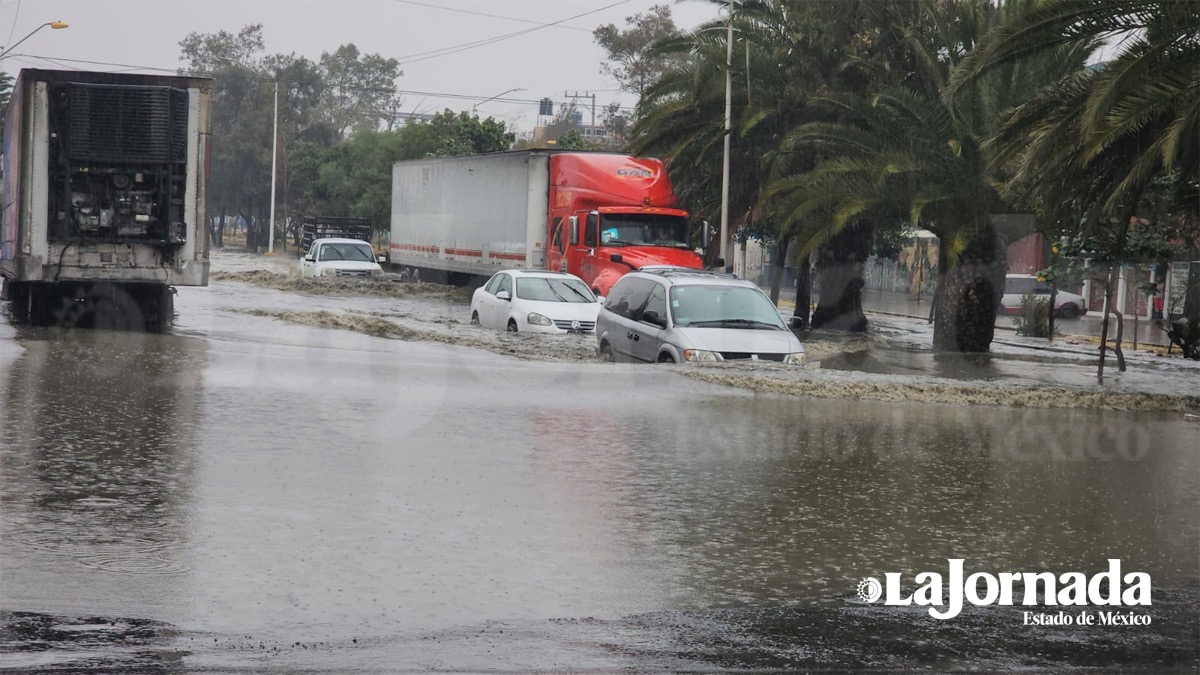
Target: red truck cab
column 610, row 214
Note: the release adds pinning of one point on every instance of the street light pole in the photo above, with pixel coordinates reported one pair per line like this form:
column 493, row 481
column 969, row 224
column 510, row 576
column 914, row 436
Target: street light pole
column 473, row 107
column 728, row 133
column 274, row 156
column 55, row 25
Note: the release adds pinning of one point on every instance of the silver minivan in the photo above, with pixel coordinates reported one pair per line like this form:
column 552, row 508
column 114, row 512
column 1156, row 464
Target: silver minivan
column 676, row 315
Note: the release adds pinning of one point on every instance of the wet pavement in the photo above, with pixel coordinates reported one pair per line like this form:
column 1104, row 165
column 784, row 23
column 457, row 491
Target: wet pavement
column 255, row 494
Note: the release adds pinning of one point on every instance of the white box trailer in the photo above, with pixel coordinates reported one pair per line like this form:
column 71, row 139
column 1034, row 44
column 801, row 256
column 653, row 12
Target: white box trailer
column 470, row 215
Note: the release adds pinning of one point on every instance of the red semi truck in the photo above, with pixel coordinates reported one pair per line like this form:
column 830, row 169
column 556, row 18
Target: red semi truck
column 596, row 215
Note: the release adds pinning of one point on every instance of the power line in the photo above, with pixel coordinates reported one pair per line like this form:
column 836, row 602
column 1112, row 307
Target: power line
column 13, row 30
column 490, row 16
column 408, row 92
column 54, row 59
column 446, row 51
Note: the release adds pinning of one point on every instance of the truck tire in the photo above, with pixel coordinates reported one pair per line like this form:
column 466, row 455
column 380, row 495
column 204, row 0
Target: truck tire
column 102, row 305
column 158, row 308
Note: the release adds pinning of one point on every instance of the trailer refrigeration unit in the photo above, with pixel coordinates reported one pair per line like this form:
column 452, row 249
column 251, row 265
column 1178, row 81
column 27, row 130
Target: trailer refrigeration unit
column 595, row 215
column 104, row 196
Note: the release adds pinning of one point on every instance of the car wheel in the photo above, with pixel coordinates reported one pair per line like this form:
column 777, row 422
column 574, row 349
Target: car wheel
column 474, row 318
column 606, row 352
column 512, row 326
column 666, row 358
column 1068, row 312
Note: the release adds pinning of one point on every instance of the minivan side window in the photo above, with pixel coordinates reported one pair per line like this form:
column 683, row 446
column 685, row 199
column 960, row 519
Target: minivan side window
column 657, row 303
column 628, row 296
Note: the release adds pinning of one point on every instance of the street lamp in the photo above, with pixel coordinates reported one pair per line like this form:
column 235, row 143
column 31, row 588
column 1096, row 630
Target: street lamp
column 274, row 151
column 493, row 98
column 52, row 24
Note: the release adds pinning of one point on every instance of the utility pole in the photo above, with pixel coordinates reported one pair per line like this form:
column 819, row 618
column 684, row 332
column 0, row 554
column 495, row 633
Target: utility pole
column 728, row 132
column 274, row 156
column 584, row 95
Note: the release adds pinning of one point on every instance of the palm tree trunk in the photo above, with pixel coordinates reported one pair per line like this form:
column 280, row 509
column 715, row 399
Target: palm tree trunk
column 1108, row 286
column 803, row 293
column 778, row 266
column 840, row 270
column 968, row 295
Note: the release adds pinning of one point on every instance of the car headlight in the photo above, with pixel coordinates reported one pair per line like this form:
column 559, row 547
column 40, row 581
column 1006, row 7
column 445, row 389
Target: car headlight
column 700, row 356
column 377, row 273
column 796, row 359
column 535, row 319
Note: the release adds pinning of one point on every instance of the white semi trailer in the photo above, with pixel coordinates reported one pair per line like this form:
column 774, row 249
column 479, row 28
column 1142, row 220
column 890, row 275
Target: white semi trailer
column 104, row 191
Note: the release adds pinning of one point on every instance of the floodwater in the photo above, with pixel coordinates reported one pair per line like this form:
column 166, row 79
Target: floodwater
column 251, row 494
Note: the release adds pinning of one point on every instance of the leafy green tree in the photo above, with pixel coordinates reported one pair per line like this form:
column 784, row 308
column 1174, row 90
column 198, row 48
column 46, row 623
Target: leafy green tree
column 632, row 60
column 359, row 88
column 242, row 108
column 573, row 140
column 465, row 134
column 354, row 177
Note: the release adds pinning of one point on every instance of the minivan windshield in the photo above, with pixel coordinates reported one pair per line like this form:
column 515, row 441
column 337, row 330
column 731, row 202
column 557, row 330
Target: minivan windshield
column 545, row 289
column 643, row 229
column 723, row 307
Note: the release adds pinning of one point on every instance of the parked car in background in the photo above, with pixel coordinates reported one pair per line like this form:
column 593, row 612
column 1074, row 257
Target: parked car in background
column 340, row 258
column 1066, row 305
column 676, row 315
column 535, row 301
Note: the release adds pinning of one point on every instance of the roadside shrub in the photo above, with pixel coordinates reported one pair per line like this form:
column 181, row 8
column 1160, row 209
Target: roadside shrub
column 1034, row 319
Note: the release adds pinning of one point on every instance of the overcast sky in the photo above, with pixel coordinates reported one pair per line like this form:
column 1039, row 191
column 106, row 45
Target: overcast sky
column 546, row 62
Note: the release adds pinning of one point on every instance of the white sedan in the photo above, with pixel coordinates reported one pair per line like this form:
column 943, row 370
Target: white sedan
column 1016, row 286
column 537, row 301
column 340, row 258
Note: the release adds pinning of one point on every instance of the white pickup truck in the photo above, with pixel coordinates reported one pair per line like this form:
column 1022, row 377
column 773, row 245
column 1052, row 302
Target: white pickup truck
column 340, row 258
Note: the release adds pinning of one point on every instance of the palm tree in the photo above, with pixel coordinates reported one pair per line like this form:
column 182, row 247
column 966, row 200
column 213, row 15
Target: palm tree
column 786, row 52
column 1149, row 91
column 914, row 152
column 1086, row 151
column 682, row 114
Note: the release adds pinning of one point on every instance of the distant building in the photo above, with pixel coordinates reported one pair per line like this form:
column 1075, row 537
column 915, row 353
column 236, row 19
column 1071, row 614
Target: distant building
column 595, row 134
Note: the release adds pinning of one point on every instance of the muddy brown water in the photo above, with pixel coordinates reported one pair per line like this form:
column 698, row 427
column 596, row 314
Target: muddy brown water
column 247, row 494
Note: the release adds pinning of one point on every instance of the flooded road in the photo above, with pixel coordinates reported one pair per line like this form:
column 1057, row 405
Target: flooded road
column 249, row 494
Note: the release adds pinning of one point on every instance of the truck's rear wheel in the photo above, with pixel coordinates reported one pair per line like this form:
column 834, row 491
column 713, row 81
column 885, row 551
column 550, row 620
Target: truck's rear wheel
column 158, row 308
column 102, row 305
